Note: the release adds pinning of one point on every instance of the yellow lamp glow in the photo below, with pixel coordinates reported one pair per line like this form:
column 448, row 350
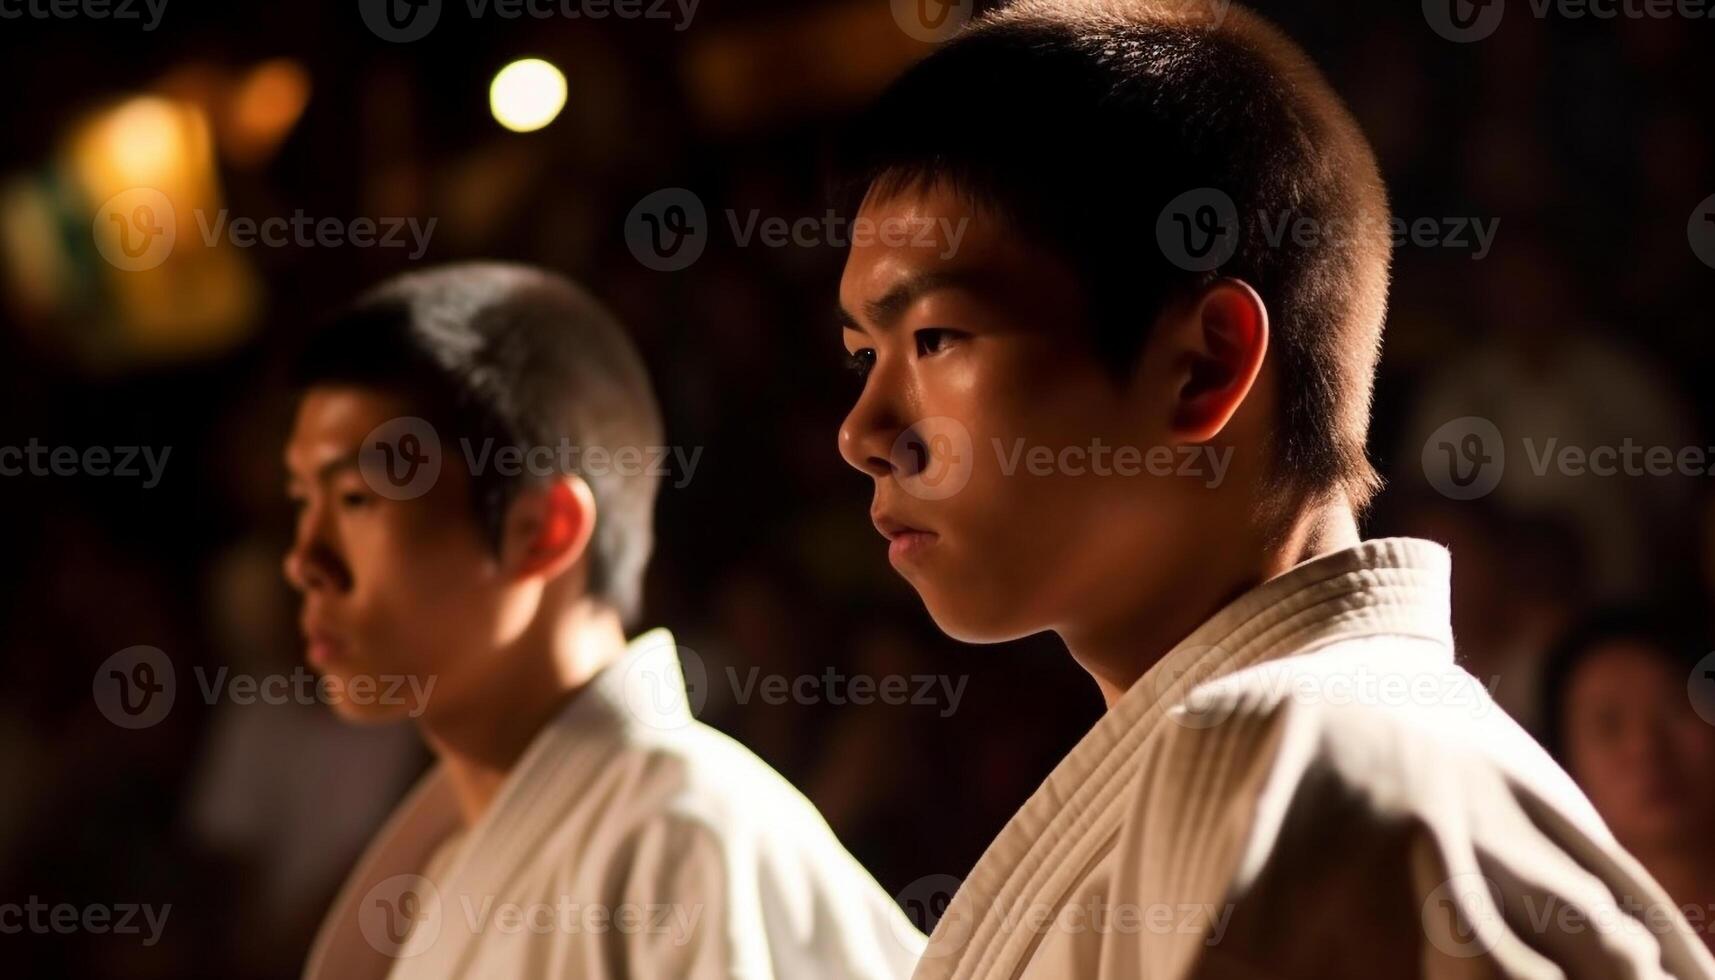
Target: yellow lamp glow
column 526, row 95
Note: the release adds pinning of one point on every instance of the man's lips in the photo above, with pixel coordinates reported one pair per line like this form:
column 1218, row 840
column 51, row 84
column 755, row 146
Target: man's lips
column 321, row 645
column 904, row 541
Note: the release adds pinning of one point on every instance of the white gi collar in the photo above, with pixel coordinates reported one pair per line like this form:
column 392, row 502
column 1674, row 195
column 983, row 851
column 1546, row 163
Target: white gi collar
column 637, row 699
column 1391, row 586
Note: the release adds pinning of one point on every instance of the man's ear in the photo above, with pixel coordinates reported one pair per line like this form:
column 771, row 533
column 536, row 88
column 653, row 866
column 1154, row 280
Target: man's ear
column 1218, row 343
column 548, row 528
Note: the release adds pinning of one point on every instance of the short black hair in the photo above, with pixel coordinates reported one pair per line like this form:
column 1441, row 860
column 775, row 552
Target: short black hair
column 520, row 356
column 1080, row 121
column 1664, row 632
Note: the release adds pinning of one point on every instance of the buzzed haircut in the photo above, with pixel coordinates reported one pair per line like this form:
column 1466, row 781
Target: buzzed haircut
column 497, row 355
column 1079, row 122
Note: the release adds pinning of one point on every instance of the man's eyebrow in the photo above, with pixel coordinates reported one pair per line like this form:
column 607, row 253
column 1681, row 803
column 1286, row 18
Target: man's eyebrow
column 885, row 310
column 325, row 470
column 338, row 463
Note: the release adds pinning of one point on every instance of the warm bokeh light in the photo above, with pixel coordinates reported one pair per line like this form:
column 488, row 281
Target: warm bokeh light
column 526, row 95
column 264, row 107
column 200, row 294
column 148, row 139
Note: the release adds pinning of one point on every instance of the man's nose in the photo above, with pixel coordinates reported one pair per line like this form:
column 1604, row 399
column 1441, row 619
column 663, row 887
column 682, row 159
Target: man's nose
column 871, row 428
column 310, row 562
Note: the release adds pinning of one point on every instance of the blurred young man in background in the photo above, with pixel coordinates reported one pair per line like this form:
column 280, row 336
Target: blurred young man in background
column 475, row 461
column 1130, row 407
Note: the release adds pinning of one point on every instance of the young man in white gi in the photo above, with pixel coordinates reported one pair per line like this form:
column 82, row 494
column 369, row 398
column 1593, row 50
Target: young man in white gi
column 475, row 461
column 1116, row 384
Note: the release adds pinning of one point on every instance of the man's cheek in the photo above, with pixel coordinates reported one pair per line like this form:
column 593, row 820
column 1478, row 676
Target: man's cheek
column 409, row 549
column 371, row 550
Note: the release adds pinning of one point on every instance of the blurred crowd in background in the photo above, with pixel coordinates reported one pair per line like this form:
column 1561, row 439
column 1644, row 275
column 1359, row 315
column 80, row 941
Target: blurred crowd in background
column 1587, row 146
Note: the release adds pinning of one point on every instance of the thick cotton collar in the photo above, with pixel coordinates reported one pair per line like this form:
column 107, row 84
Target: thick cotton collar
column 1391, row 586
column 638, row 697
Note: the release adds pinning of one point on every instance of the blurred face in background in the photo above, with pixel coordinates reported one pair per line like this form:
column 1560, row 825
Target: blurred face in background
column 1639, row 748
column 396, row 593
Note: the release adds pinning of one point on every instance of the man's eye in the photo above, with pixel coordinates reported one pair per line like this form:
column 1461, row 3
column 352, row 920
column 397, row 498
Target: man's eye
column 932, row 340
column 860, row 362
column 350, row 499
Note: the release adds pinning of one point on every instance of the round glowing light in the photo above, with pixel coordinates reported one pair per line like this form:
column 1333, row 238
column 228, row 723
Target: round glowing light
column 526, row 95
column 146, row 136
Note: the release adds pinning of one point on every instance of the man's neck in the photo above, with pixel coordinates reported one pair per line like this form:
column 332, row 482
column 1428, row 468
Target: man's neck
column 1118, row 652
column 480, row 740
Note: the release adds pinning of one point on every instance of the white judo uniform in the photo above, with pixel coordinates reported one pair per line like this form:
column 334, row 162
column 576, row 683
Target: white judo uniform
column 1308, row 786
column 629, row 841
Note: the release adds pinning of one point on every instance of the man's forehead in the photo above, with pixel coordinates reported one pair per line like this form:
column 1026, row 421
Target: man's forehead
column 336, row 406
column 991, row 262
column 972, row 257
column 332, row 421
column 928, row 203
column 910, row 235
column 871, row 272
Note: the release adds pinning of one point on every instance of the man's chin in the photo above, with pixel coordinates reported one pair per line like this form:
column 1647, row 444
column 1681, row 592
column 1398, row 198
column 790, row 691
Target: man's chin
column 368, row 714
column 971, row 625
column 366, row 697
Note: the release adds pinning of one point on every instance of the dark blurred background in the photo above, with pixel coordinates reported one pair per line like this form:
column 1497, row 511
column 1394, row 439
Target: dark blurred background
column 1587, row 319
